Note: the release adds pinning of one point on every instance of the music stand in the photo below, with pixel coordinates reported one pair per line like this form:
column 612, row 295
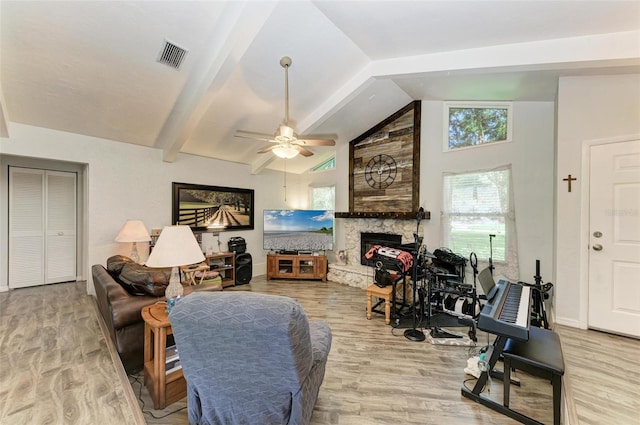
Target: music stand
column 415, row 334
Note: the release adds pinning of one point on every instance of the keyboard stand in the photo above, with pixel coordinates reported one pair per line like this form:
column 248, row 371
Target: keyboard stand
column 540, row 355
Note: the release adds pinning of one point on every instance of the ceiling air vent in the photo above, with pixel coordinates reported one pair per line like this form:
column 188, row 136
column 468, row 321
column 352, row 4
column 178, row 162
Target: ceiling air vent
column 172, row 55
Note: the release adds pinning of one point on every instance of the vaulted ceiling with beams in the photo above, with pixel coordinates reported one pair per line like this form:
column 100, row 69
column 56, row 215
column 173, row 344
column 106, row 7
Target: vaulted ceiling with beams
column 91, row 67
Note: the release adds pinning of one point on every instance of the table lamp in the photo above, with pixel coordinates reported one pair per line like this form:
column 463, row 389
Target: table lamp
column 176, row 246
column 133, row 231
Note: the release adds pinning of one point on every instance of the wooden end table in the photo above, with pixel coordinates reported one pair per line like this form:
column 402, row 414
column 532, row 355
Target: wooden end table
column 164, row 388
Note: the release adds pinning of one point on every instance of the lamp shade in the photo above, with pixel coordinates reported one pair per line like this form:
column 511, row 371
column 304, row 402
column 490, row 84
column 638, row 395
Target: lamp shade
column 133, row 231
column 176, row 246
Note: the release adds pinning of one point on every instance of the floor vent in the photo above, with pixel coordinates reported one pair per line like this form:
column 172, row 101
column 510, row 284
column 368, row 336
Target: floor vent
column 172, row 55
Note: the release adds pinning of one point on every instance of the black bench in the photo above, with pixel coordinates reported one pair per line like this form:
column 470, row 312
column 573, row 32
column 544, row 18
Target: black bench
column 540, row 356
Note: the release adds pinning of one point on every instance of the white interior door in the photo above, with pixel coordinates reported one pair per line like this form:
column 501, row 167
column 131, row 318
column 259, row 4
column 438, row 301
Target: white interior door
column 60, row 248
column 614, row 240
column 26, row 227
column 42, row 227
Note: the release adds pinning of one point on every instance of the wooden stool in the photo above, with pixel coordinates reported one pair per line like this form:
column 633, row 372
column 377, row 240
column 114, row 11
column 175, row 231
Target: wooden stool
column 541, row 356
column 385, row 293
column 191, row 270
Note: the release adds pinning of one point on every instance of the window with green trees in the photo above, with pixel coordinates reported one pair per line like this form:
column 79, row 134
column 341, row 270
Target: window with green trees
column 329, row 164
column 474, row 124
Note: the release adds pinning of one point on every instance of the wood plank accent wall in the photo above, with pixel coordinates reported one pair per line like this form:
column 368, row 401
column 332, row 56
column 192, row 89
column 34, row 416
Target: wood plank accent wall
column 398, row 137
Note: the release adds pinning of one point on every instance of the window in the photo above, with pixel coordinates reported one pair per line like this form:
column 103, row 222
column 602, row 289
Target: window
column 476, row 205
column 323, row 198
column 329, row 164
column 473, row 124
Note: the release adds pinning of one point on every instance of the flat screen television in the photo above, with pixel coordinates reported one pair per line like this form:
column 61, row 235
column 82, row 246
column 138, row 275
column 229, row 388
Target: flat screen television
column 298, row 230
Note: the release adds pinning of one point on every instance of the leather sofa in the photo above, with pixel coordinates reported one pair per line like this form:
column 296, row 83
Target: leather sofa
column 121, row 293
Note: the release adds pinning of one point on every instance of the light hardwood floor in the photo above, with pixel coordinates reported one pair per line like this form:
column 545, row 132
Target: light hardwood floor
column 55, row 363
column 56, row 368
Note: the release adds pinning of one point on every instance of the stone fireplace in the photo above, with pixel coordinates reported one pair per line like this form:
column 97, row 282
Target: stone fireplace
column 368, row 240
column 354, row 273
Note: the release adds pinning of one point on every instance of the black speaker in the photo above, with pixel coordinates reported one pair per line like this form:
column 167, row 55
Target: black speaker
column 244, row 268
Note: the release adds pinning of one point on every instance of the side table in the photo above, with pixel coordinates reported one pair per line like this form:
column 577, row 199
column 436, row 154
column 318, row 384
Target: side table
column 164, row 388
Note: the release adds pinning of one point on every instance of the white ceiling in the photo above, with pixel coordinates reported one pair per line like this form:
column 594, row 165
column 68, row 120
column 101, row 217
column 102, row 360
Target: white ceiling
column 89, row 67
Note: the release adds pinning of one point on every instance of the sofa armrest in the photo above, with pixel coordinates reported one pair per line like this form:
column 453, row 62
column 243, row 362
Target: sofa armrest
column 105, row 285
column 118, row 308
column 127, row 312
column 320, row 335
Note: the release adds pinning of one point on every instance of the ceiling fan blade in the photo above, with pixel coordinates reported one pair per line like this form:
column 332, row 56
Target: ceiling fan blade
column 254, row 136
column 315, row 142
column 303, row 151
column 268, row 149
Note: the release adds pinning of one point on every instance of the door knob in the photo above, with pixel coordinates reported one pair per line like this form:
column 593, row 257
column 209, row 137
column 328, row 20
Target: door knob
column 597, row 247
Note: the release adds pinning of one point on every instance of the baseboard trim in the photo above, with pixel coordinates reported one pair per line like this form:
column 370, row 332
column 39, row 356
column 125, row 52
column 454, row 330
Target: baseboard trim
column 572, row 323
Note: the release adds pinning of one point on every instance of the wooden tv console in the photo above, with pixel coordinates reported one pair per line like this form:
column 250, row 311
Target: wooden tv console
column 288, row 266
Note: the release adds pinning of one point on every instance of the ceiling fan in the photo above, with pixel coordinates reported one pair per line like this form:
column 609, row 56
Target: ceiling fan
column 287, row 143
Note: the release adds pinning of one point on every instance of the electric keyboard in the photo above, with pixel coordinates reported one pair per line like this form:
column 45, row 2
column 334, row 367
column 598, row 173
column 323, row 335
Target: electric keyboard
column 508, row 312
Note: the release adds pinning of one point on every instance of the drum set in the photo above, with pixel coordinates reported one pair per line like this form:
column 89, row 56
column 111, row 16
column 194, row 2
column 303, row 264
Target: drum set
column 440, row 295
column 443, row 297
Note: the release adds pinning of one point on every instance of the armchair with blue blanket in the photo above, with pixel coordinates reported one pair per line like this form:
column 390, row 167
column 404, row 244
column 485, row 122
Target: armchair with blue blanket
column 249, row 358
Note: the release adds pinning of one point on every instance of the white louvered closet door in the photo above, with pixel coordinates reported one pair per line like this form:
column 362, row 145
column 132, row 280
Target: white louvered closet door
column 60, row 245
column 38, row 199
column 26, row 227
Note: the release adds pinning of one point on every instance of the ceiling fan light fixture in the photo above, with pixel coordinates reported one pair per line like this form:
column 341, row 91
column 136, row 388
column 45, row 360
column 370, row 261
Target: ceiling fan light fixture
column 288, row 145
column 285, row 151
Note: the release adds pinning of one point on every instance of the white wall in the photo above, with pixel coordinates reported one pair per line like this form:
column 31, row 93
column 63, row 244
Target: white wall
column 127, row 181
column 331, row 178
column 590, row 109
column 531, row 154
column 532, row 157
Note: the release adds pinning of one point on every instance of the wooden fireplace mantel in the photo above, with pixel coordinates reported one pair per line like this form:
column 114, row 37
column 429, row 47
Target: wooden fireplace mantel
column 383, row 215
